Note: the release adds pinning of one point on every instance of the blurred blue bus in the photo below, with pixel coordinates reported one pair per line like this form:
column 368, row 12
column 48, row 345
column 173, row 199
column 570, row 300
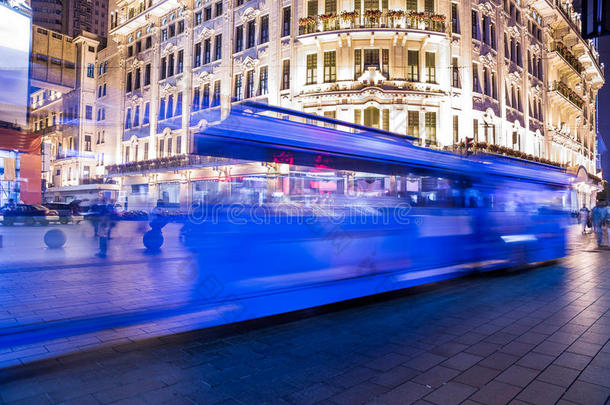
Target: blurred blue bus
column 308, row 210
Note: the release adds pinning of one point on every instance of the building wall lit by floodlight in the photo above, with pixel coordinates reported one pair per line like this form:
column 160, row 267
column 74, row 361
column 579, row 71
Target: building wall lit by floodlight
column 516, row 78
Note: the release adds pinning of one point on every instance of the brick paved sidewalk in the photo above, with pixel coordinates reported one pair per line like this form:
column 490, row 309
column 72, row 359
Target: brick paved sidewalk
column 539, row 336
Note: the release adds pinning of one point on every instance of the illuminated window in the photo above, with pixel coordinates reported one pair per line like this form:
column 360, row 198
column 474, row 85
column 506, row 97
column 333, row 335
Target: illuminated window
column 371, row 117
column 249, row 84
column 216, row 97
column 197, row 61
column 455, row 73
column 207, row 44
column 413, row 123
column 218, row 47
column 170, row 107
column 430, row 67
column 413, row 66
column 455, row 28
column 146, row 75
column 285, row 74
column 330, row 66
column 264, row 29
column 286, row 22
column 206, row 96
column 312, row 69
column 196, row 93
column 357, row 63
column 312, row 8
column 162, row 109
column 239, row 38
column 429, row 6
column 251, row 33
column 263, row 80
column 431, row 127
column 476, row 85
column 237, row 93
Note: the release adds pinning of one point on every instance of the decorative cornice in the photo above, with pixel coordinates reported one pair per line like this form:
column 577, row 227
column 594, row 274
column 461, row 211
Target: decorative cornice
column 137, row 62
column 513, row 31
column 134, row 99
column 486, row 8
column 488, row 60
column 535, row 48
column 204, row 77
column 514, row 77
column 167, row 89
column 247, row 63
column 169, row 48
column 536, row 89
column 249, row 14
column 206, row 33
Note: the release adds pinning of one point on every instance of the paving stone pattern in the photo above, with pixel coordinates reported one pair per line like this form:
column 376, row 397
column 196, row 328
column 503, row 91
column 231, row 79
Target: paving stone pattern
column 539, row 336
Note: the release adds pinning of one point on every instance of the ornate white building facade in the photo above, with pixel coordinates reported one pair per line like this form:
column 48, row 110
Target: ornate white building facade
column 513, row 75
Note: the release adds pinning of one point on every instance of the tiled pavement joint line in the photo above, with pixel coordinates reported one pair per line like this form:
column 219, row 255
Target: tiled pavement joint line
column 31, row 267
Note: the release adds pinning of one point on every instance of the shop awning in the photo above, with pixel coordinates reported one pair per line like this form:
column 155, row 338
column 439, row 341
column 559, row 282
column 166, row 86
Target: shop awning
column 21, row 141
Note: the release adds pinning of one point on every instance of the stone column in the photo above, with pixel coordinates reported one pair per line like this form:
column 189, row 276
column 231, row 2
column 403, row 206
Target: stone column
column 154, row 94
column 187, row 84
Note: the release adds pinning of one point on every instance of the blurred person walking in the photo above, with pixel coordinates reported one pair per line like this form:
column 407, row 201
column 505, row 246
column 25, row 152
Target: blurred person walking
column 104, row 225
column 598, row 218
column 584, row 218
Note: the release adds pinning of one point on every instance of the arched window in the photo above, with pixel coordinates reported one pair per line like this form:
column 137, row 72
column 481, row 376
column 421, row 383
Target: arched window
column 371, row 117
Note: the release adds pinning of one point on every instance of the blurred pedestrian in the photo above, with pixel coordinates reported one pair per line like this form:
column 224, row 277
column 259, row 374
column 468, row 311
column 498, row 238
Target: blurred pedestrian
column 95, row 212
column 103, row 229
column 584, row 219
column 112, row 214
column 598, row 218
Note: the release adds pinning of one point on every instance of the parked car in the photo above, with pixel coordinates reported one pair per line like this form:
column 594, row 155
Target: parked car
column 67, row 212
column 29, row 215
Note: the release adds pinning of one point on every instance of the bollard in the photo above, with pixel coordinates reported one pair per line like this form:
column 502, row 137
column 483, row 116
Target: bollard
column 153, row 240
column 55, row 238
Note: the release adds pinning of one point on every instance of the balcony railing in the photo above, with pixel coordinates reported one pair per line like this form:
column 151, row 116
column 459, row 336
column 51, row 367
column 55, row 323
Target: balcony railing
column 567, row 56
column 389, row 19
column 354, row 85
column 570, row 15
column 170, row 163
column 484, row 147
column 50, row 129
column 72, row 153
column 567, row 93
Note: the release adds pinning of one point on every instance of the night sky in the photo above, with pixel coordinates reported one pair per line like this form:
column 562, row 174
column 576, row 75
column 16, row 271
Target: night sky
column 603, row 112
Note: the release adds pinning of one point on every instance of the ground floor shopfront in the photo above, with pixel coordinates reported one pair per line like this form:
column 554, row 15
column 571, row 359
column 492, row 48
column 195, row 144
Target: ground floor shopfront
column 585, row 188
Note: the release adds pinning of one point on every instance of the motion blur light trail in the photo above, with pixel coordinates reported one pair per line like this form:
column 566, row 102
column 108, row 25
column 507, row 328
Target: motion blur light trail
column 293, row 215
